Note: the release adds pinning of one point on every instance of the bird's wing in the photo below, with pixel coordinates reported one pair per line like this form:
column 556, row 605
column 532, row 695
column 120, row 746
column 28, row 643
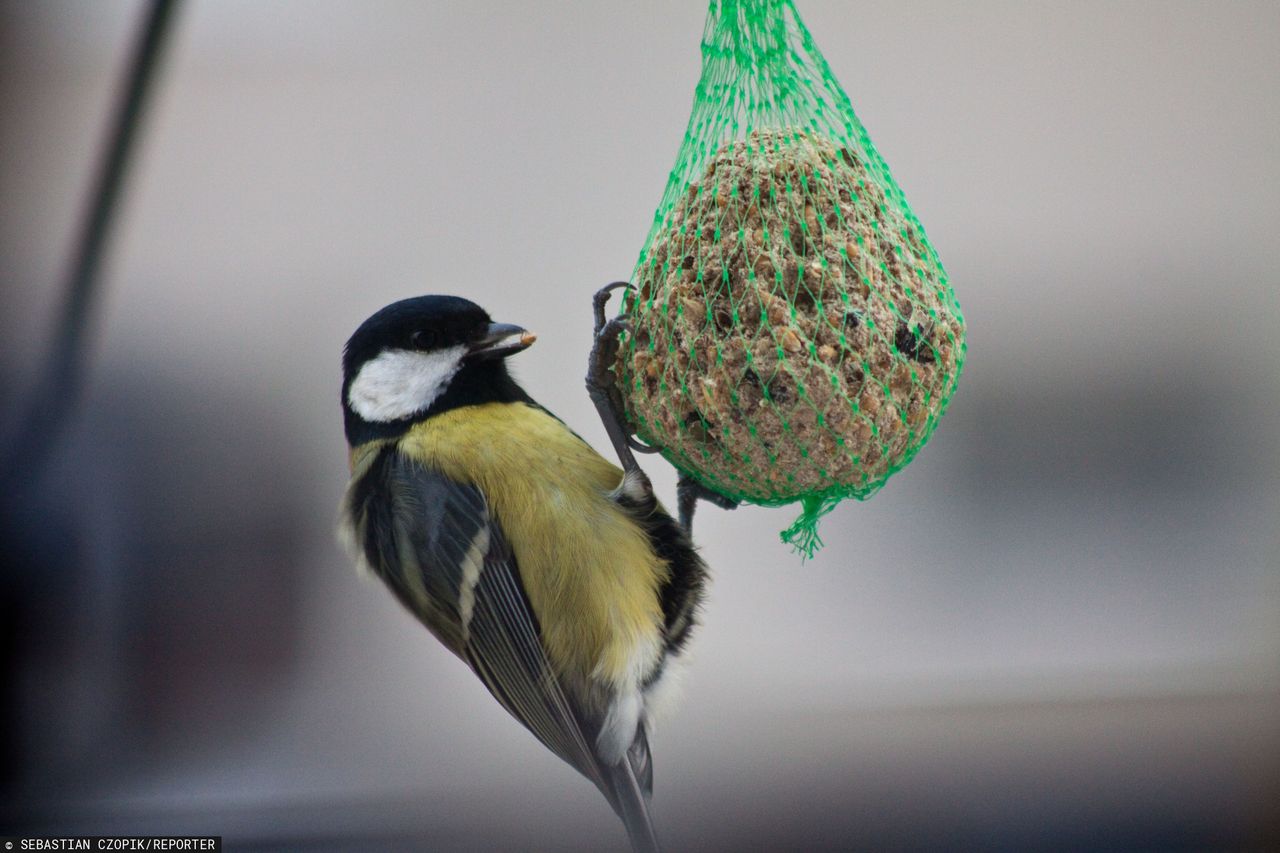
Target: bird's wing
column 436, row 545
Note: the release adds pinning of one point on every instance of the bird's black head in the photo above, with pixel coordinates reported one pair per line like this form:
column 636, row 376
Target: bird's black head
column 422, row 356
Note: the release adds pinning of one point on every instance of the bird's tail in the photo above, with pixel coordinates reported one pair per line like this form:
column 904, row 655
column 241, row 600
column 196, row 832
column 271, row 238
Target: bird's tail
column 629, row 785
column 632, row 805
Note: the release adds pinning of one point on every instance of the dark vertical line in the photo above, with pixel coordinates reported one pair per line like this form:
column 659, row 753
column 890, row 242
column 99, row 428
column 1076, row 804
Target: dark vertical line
column 59, row 385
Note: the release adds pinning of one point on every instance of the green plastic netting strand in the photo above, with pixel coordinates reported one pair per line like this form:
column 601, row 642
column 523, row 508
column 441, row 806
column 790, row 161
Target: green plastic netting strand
column 793, row 336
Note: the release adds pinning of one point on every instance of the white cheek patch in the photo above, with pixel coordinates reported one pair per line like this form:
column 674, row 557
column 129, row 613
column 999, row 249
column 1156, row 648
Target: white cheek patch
column 399, row 383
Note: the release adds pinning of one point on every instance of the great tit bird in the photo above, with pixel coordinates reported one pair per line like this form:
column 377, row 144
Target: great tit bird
column 555, row 574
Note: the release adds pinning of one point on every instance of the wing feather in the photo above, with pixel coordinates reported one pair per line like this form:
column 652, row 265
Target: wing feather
column 440, row 550
column 504, row 642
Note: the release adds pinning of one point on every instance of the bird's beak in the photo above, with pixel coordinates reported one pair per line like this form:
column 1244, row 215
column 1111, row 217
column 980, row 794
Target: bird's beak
column 501, row 340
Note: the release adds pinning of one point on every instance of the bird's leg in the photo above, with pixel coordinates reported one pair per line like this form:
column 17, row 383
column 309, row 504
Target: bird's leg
column 601, row 386
column 688, row 491
column 604, row 392
column 608, row 401
column 603, row 358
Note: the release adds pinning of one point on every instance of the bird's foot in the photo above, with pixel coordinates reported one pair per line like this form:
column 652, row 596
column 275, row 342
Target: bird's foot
column 602, row 384
column 689, row 491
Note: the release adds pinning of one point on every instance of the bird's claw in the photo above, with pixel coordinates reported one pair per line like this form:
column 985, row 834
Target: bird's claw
column 601, row 299
column 689, row 491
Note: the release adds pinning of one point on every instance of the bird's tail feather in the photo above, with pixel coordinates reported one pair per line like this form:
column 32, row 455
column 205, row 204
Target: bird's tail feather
column 631, row 801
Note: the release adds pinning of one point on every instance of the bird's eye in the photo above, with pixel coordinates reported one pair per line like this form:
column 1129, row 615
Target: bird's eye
column 423, row 339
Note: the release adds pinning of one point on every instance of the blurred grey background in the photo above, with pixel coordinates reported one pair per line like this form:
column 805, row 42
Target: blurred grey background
column 1058, row 628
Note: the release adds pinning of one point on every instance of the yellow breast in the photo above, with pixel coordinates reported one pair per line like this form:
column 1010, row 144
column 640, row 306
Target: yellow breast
column 590, row 573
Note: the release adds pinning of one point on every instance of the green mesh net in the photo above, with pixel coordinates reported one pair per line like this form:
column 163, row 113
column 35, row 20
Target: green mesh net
column 793, row 336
